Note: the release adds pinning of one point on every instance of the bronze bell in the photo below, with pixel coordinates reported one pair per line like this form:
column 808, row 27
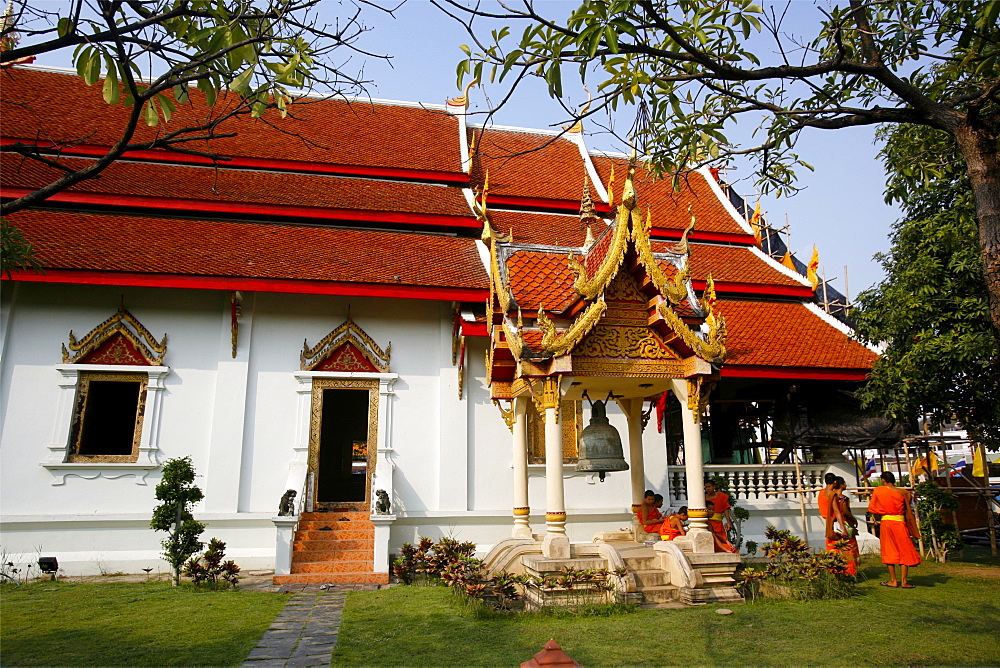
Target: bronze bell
column 600, row 445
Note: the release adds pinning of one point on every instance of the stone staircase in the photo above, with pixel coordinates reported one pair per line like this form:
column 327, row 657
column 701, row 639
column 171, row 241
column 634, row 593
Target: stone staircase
column 651, row 582
column 335, row 547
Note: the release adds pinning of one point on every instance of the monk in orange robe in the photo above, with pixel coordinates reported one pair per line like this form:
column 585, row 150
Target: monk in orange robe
column 718, row 503
column 898, row 527
column 674, row 525
column 649, row 517
column 823, row 498
column 840, row 513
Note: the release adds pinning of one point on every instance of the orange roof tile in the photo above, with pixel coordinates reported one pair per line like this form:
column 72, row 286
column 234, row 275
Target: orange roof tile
column 670, row 209
column 541, row 278
column 540, row 228
column 246, row 186
column 527, row 164
column 58, row 106
column 787, row 334
column 119, row 243
column 733, row 264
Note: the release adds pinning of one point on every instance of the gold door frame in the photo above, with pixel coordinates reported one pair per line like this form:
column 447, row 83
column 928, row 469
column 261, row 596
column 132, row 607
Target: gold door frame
column 315, row 423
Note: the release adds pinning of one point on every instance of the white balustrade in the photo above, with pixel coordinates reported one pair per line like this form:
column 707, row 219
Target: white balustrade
column 751, row 482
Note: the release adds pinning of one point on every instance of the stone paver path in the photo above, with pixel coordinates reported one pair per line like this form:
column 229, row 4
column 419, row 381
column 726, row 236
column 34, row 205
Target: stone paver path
column 306, row 630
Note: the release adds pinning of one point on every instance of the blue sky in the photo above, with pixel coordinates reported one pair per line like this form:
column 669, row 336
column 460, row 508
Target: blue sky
column 840, row 209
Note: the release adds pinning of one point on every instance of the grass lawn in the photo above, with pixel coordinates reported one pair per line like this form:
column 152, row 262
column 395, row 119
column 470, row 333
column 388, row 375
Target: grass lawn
column 132, row 624
column 952, row 617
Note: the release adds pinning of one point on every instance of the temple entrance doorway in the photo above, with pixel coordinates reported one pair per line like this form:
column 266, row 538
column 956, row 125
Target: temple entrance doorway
column 342, row 430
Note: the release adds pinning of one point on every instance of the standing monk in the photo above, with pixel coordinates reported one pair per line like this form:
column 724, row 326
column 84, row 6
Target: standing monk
column 899, row 526
column 824, row 496
column 718, row 502
column 840, row 512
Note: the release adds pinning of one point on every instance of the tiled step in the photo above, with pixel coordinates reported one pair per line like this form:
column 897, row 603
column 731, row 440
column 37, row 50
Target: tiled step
column 333, row 545
column 351, row 578
column 342, row 534
column 307, row 556
column 334, row 566
column 353, row 515
column 651, row 578
column 315, row 525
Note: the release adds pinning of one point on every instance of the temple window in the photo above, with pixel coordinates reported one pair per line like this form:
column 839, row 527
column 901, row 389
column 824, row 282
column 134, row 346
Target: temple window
column 571, row 421
column 108, row 411
column 107, row 420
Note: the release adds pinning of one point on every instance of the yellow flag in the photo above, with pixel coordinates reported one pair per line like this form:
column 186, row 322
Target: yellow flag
column 925, row 465
column 787, row 261
column 755, row 222
column 978, row 465
column 812, row 269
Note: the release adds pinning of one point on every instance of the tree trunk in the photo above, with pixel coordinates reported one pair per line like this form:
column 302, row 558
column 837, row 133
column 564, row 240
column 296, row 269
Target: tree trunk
column 982, row 159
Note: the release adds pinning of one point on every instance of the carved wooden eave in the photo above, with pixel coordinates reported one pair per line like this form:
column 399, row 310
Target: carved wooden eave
column 346, row 333
column 122, row 324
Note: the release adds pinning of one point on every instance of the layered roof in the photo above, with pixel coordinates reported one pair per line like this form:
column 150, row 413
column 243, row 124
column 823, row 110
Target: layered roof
column 44, row 105
column 362, row 197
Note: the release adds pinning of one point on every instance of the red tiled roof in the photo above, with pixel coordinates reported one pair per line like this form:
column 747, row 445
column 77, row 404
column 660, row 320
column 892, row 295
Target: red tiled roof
column 245, row 186
column 789, row 335
column 59, row 106
column 526, row 164
column 118, row 243
column 540, row 228
column 539, row 278
column 732, row 264
column 670, row 209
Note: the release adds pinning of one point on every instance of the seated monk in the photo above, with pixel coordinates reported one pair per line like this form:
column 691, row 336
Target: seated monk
column 840, row 513
column 674, row 525
column 649, row 517
column 718, row 504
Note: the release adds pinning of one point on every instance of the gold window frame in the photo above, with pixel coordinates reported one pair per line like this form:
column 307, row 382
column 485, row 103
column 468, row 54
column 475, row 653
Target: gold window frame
column 80, row 407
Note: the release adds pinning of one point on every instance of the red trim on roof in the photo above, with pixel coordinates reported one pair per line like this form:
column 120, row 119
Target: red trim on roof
column 802, row 372
column 699, row 235
column 205, row 206
column 81, row 277
column 474, row 329
column 500, row 201
column 757, row 288
column 94, row 151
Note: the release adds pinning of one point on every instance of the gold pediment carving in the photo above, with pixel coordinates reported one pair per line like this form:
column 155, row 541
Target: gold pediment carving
column 630, row 342
column 346, row 333
column 124, row 325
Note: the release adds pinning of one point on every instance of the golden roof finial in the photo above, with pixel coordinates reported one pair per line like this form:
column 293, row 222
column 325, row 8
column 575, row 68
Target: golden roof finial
column 589, row 241
column 628, row 192
column 463, row 99
column 587, row 210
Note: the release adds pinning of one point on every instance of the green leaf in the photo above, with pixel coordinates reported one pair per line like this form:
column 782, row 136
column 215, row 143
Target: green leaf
column 65, row 26
column 181, row 94
column 152, row 119
column 111, row 91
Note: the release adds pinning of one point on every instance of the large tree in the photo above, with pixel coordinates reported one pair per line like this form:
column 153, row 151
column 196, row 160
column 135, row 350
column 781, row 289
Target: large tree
column 940, row 358
column 693, row 68
column 152, row 54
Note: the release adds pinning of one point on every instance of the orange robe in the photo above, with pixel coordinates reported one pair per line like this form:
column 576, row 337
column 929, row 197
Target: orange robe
column 894, row 536
column 851, row 553
column 823, row 501
column 654, row 514
column 667, row 532
column 719, row 505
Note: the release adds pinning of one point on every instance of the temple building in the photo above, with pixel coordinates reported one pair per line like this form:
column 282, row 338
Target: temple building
column 407, row 319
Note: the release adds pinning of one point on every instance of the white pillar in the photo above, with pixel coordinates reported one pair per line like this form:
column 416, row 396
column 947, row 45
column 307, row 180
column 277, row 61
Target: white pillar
column 633, row 413
column 522, row 510
column 699, row 533
column 556, row 544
